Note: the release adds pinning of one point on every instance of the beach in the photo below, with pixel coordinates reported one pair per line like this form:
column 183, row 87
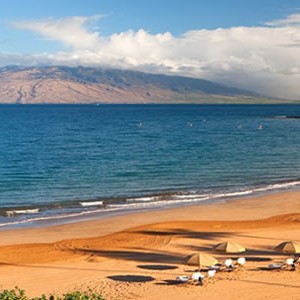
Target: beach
column 139, row 256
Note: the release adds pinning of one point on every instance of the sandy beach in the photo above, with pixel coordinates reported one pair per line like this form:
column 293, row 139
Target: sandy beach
column 139, row 256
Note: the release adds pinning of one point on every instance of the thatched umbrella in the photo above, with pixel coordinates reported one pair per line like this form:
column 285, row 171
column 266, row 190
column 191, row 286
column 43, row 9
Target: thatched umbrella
column 200, row 260
column 288, row 247
column 229, row 247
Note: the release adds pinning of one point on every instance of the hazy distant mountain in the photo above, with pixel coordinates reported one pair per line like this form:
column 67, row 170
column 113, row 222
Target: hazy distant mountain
column 96, row 85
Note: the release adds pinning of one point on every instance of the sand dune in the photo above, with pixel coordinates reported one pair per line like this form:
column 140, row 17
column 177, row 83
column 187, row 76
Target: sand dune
column 139, row 256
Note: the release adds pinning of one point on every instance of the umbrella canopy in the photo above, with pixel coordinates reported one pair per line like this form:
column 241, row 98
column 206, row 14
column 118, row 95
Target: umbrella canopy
column 229, row 247
column 289, row 247
column 200, row 259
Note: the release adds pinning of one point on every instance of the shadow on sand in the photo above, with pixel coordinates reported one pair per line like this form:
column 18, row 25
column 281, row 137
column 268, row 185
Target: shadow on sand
column 138, row 256
column 131, row 278
column 205, row 235
column 157, row 267
column 170, row 282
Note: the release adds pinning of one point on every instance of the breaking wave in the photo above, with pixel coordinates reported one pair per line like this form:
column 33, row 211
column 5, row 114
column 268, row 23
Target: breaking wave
column 109, row 207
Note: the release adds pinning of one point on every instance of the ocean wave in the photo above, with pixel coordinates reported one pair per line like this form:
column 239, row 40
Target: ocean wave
column 91, row 203
column 22, row 212
column 288, row 117
column 91, row 209
column 280, row 117
column 177, row 199
column 142, row 199
column 54, row 217
column 277, row 186
column 232, row 194
column 160, row 203
column 189, row 196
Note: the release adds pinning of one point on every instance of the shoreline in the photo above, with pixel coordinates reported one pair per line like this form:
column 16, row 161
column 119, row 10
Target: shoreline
column 99, row 254
column 84, row 210
column 213, row 211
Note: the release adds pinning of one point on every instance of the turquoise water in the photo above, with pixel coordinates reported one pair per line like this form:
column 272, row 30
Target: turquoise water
column 61, row 162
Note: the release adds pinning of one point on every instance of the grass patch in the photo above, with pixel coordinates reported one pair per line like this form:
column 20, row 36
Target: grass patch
column 18, row 294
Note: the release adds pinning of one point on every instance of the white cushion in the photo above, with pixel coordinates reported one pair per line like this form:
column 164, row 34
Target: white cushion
column 211, row 273
column 289, row 261
column 182, row 278
column 228, row 262
column 241, row 260
column 197, row 275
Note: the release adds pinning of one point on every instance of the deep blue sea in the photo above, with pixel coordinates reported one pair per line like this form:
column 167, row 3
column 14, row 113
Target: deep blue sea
column 59, row 163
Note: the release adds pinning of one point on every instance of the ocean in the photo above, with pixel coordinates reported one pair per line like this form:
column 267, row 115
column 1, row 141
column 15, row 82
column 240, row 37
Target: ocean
column 63, row 163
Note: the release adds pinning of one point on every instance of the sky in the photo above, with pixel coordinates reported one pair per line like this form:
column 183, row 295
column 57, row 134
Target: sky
column 249, row 44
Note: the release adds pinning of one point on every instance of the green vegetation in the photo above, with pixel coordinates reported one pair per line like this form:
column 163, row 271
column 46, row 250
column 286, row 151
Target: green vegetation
column 18, row 294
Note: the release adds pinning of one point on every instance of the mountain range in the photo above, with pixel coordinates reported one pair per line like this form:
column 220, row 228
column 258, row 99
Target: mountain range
column 62, row 84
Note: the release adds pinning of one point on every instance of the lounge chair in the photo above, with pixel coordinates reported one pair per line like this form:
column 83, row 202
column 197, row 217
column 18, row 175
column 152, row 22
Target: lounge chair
column 211, row 275
column 226, row 266
column 182, row 278
column 289, row 264
column 276, row 266
column 197, row 277
column 240, row 263
column 229, row 264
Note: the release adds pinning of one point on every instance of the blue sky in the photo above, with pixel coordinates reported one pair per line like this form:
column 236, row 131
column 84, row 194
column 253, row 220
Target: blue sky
column 156, row 16
column 252, row 44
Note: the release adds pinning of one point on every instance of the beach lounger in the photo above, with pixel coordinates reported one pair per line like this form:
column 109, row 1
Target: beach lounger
column 197, row 277
column 229, row 266
column 182, row 278
column 216, row 267
column 226, row 266
column 274, row 266
column 211, row 274
column 289, row 265
column 240, row 263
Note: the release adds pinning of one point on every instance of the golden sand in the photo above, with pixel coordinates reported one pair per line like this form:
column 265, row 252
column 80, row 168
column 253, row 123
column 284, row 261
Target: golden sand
column 139, row 256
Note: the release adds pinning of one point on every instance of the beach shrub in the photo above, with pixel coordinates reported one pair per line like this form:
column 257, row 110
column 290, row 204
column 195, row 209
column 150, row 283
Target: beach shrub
column 81, row 296
column 18, row 294
column 14, row 294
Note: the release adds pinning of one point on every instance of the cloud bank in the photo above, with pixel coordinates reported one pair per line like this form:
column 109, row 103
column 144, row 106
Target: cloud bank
column 263, row 59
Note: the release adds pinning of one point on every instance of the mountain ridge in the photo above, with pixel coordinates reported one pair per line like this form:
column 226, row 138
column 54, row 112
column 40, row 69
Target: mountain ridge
column 63, row 84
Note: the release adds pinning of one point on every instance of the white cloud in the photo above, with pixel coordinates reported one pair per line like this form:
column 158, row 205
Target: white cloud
column 71, row 31
column 291, row 20
column 264, row 59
